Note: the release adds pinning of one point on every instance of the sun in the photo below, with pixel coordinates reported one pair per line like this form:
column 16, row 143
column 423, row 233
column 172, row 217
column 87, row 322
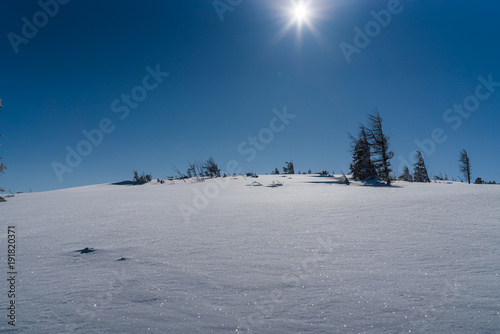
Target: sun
column 299, row 16
column 300, row 12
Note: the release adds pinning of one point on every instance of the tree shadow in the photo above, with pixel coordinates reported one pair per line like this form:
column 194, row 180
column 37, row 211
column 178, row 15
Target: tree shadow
column 124, row 183
column 364, row 183
column 332, row 181
column 376, row 183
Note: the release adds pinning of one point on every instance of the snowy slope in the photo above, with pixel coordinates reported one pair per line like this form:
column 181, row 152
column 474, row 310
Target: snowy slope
column 312, row 256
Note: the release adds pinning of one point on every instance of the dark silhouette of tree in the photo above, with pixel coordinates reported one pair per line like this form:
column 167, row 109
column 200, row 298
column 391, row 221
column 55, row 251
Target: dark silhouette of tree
column 420, row 170
column 380, row 148
column 144, row 178
column 181, row 176
column 191, row 171
column 211, row 169
column 362, row 166
column 406, row 176
column 275, row 172
column 464, row 166
column 345, row 179
column 288, row 169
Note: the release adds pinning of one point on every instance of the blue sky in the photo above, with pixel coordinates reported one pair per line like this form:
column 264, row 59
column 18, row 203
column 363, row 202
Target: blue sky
column 225, row 78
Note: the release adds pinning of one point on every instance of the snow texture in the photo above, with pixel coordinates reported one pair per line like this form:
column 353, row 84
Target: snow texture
column 311, row 256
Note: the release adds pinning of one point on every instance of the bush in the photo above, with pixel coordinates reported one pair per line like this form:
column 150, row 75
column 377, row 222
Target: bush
column 144, row 178
column 211, row 169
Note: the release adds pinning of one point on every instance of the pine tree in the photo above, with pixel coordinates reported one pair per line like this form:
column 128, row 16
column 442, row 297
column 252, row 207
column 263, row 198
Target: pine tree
column 362, row 167
column 288, row 169
column 406, row 176
column 419, row 169
column 275, row 172
column 380, row 148
column 464, row 165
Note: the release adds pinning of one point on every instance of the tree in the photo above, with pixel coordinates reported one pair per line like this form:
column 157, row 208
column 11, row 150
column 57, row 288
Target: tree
column 144, row 178
column 211, row 169
column 288, row 169
column 380, row 148
column 479, row 181
column 362, row 167
column 420, row 170
column 191, row 171
column 2, row 166
column 181, row 175
column 345, row 179
column 464, row 166
column 275, row 172
column 406, row 176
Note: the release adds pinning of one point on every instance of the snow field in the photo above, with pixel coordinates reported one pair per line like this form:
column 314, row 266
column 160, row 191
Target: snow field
column 312, row 256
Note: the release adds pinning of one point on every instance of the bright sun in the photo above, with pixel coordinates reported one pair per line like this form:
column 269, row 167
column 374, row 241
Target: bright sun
column 299, row 15
column 300, row 12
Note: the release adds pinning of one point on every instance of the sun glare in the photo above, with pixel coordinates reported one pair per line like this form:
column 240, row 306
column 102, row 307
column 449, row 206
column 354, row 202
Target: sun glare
column 299, row 15
column 300, row 12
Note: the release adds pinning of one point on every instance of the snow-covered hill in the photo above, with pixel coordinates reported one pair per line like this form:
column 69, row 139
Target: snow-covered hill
column 225, row 256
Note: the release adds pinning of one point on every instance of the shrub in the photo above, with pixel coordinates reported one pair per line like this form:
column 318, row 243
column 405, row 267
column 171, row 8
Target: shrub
column 144, row 178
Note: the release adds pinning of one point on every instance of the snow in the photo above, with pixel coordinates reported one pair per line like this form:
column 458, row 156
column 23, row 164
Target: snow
column 311, row 256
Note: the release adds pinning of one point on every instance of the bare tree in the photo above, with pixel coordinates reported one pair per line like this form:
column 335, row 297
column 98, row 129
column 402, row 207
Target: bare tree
column 199, row 171
column 211, row 169
column 182, row 176
column 464, row 166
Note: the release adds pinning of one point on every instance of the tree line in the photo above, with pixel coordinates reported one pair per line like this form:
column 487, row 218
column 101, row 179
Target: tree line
column 371, row 158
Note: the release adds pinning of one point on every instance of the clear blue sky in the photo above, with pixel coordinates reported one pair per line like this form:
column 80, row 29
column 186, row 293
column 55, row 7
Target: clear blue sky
column 227, row 76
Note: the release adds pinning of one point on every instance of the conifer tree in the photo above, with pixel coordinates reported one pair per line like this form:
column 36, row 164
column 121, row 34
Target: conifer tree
column 289, row 169
column 406, row 176
column 420, row 170
column 465, row 166
column 362, row 167
column 380, row 148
